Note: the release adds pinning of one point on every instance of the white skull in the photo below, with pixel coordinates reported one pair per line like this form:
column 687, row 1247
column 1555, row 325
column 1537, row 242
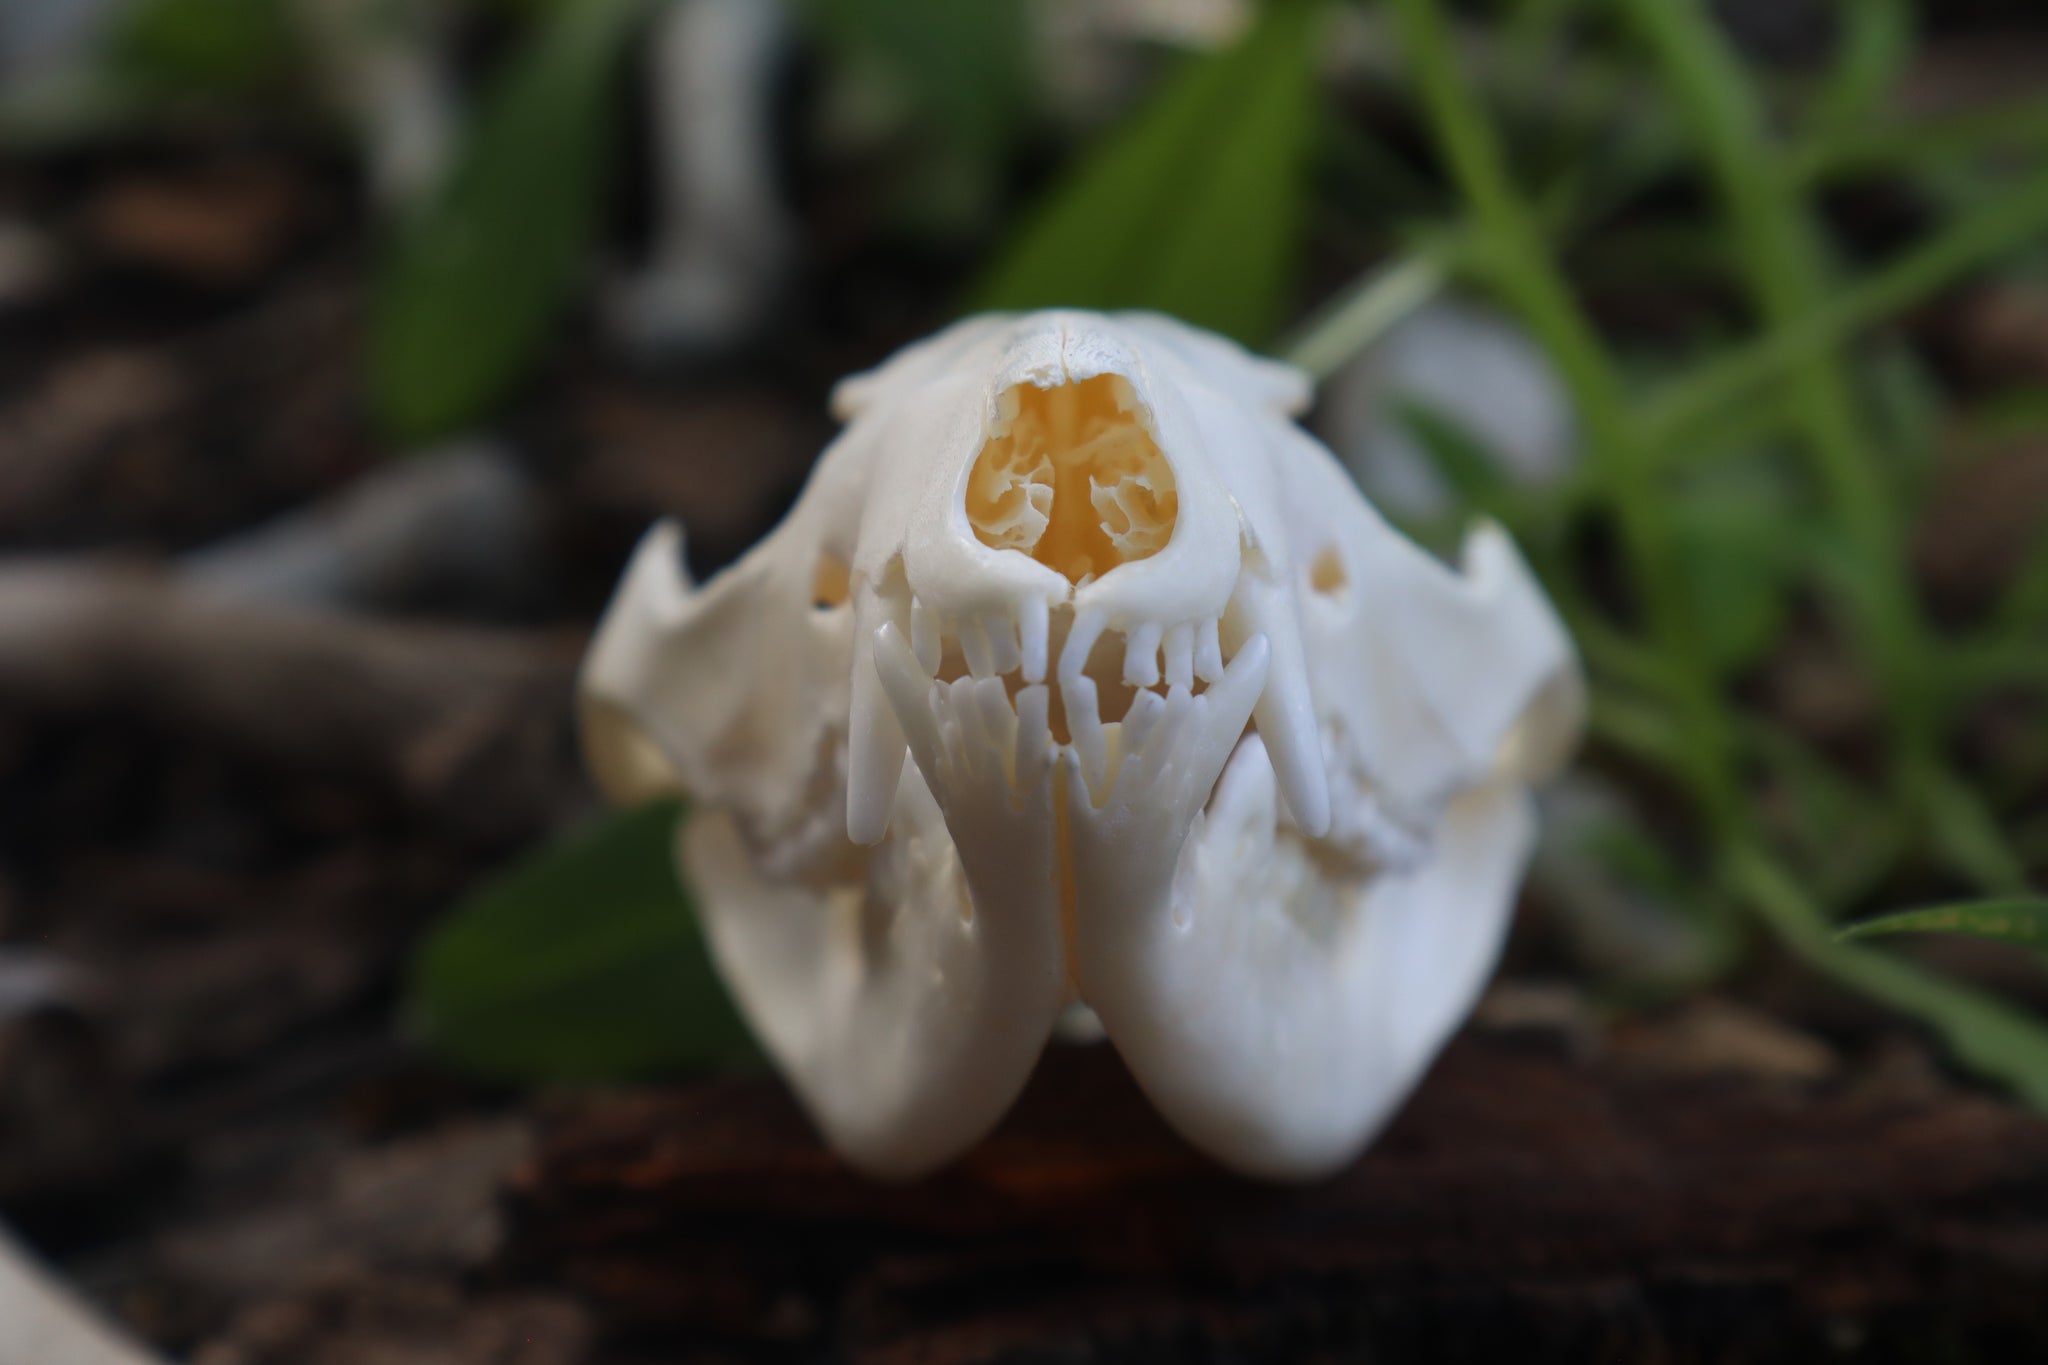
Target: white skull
column 1194, row 737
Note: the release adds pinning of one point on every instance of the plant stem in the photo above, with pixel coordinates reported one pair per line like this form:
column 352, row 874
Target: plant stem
column 1511, row 248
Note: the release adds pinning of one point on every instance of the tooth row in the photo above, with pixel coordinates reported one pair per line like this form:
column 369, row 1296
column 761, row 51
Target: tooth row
column 1179, row 654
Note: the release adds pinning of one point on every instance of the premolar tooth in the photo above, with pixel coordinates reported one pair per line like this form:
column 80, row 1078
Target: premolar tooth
column 1179, row 648
column 1034, row 626
column 1208, row 652
column 925, row 639
column 1141, row 656
column 981, row 659
column 874, row 758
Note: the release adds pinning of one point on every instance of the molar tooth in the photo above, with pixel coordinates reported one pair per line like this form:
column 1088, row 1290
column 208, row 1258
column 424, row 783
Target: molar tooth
column 1179, row 649
column 981, row 659
column 1208, row 652
column 874, row 758
column 1141, row 655
column 1034, row 626
column 1002, row 640
column 926, row 641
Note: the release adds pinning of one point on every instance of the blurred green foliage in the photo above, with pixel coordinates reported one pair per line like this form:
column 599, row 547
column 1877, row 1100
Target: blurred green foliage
column 584, row 961
column 476, row 281
column 2020, row 919
column 1196, row 207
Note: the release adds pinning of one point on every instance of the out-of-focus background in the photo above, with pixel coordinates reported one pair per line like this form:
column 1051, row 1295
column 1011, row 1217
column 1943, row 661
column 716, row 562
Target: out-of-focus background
column 346, row 347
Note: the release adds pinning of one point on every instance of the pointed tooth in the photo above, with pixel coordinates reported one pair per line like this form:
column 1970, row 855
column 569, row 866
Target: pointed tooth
column 1169, row 734
column 926, row 640
column 1034, row 628
column 1179, row 649
column 912, row 697
column 981, row 659
column 1141, row 656
column 1208, row 652
column 1222, row 712
column 1034, row 735
column 874, row 744
column 970, row 736
column 1286, row 711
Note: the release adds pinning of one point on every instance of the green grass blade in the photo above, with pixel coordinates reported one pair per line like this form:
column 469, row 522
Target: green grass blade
column 473, row 284
column 1194, row 208
column 582, row 962
column 2012, row 919
column 1986, row 1035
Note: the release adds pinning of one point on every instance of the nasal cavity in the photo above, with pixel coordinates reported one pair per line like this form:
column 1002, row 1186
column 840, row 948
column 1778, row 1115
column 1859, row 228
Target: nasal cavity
column 1071, row 477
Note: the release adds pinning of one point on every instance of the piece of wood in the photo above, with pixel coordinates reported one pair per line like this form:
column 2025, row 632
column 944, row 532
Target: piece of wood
column 1522, row 1208
column 464, row 723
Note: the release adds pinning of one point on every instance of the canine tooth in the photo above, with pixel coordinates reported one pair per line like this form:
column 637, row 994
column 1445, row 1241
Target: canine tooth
column 981, row 659
column 1141, row 656
column 1034, row 626
column 926, row 640
column 1179, row 649
column 1222, row 712
column 913, row 696
column 874, row 757
column 1002, row 642
column 1208, row 652
column 1286, row 709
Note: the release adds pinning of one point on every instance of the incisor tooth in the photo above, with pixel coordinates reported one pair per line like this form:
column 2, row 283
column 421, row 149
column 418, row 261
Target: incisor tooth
column 1034, row 626
column 1179, row 649
column 974, row 644
column 1141, row 656
column 1002, row 642
column 1081, row 638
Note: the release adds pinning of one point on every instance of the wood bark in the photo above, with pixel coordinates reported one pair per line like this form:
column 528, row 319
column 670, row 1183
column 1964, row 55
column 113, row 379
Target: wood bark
column 1524, row 1207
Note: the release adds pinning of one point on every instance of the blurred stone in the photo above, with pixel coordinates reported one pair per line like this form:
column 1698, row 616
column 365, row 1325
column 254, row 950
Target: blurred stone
column 1472, row 367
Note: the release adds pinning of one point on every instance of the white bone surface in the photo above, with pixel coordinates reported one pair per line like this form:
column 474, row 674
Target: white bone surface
column 1080, row 674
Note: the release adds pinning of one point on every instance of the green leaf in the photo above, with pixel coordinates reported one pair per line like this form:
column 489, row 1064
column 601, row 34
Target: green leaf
column 2012, row 919
column 583, row 962
column 203, row 46
column 1195, row 207
column 477, row 279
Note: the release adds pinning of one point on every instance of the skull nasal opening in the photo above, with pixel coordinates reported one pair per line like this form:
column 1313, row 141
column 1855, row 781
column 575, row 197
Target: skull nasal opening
column 1071, row 477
